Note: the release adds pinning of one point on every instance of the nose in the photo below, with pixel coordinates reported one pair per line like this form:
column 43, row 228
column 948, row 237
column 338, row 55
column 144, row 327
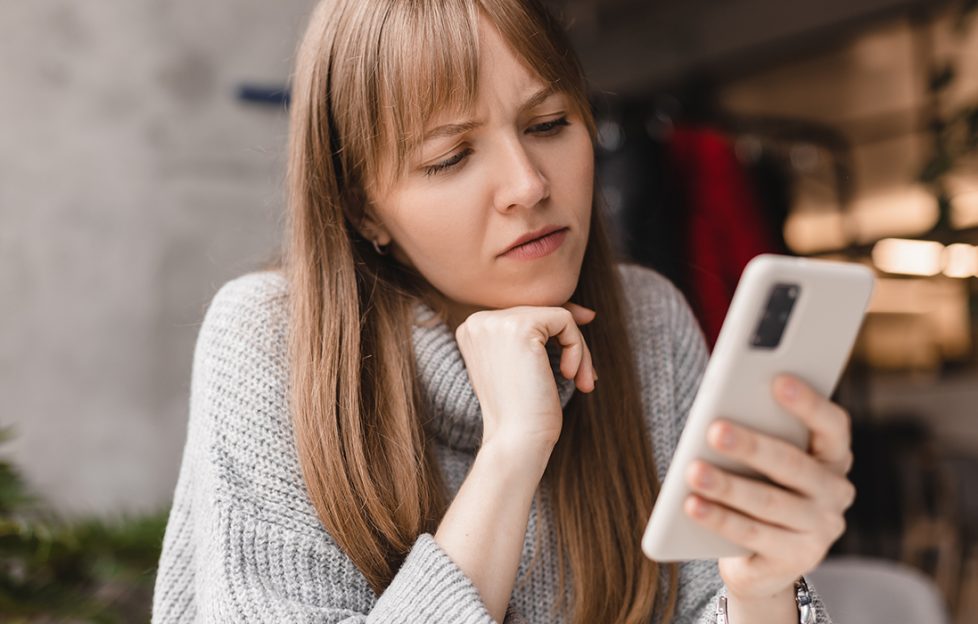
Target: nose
column 521, row 182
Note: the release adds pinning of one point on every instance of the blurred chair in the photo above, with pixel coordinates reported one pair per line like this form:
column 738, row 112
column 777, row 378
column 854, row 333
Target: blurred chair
column 877, row 591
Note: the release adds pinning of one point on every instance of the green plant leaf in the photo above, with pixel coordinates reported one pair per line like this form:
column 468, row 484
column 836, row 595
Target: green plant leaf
column 94, row 570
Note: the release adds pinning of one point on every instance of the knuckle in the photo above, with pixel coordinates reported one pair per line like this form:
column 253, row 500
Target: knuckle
column 751, row 446
column 840, row 528
column 847, row 417
column 750, row 531
column 848, row 461
column 842, row 417
column 833, row 525
column 768, row 499
column 792, row 459
column 509, row 324
column 719, row 518
column 848, row 494
column 811, row 402
column 841, row 422
column 725, row 486
column 474, row 322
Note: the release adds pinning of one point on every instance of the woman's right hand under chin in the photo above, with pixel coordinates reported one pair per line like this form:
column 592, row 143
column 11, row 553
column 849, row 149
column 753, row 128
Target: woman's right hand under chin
column 509, row 369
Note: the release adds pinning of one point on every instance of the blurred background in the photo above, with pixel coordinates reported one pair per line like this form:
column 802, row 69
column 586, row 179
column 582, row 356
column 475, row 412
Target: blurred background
column 141, row 166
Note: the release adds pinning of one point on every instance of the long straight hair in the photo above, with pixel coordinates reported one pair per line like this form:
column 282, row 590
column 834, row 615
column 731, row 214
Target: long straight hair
column 368, row 76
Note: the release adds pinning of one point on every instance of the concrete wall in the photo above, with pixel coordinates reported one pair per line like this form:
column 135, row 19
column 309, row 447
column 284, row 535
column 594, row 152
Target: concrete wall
column 132, row 185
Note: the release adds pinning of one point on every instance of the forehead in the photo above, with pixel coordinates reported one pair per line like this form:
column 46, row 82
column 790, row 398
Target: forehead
column 497, row 58
column 503, row 79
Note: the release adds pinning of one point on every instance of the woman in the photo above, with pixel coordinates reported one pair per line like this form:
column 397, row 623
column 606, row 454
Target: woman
column 402, row 422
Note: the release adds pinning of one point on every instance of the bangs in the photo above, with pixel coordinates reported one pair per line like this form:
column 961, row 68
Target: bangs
column 427, row 64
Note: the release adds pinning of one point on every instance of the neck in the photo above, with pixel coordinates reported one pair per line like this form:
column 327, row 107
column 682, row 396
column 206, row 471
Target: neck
column 451, row 312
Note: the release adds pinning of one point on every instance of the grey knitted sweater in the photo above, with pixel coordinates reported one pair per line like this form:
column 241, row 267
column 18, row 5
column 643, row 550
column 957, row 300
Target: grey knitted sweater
column 243, row 542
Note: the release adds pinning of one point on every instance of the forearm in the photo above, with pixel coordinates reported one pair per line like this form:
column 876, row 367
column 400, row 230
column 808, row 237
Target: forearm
column 485, row 526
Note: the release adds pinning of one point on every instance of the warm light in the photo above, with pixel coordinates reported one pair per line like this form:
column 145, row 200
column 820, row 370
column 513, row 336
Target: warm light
column 901, row 212
column 960, row 260
column 908, row 257
column 915, row 322
column 964, row 209
column 813, row 231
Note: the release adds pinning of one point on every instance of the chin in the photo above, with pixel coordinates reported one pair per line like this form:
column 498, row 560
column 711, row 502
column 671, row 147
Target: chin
column 547, row 290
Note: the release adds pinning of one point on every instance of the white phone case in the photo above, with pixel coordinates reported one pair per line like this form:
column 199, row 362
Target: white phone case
column 816, row 343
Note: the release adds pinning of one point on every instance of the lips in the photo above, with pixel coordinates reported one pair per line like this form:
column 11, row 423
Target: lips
column 531, row 236
column 539, row 247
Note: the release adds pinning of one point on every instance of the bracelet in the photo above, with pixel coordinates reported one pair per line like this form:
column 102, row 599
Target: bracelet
column 722, row 610
column 803, row 600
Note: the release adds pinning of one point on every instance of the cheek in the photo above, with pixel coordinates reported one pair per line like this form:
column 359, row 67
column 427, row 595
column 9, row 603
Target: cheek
column 571, row 160
column 583, row 165
column 441, row 232
column 571, row 172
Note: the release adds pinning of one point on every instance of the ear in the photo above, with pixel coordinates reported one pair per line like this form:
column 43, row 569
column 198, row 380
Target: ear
column 372, row 228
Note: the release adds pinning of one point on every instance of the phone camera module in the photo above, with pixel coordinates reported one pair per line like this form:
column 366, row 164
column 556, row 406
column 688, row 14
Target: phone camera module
column 774, row 319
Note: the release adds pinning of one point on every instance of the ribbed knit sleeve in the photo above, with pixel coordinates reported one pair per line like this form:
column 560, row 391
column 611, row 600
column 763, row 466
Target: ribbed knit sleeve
column 670, row 342
column 243, row 542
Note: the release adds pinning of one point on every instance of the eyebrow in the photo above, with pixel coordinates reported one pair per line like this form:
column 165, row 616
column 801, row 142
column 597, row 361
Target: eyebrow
column 458, row 128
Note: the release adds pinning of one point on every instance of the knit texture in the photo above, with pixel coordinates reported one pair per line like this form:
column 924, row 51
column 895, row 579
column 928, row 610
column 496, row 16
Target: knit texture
column 243, row 542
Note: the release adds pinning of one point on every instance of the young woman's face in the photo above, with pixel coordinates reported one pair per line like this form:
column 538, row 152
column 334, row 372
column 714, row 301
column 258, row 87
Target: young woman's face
column 519, row 163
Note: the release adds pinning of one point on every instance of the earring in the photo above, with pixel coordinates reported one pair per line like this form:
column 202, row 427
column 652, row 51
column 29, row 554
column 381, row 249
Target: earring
column 382, row 251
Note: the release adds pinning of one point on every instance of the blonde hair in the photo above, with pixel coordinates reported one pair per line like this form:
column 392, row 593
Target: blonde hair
column 369, row 75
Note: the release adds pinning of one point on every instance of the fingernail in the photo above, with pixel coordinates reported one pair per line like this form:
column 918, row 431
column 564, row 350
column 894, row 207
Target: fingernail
column 700, row 507
column 706, row 477
column 594, row 373
column 728, row 438
column 789, row 388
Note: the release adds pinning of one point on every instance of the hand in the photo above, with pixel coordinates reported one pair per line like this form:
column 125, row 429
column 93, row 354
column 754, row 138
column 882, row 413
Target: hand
column 507, row 363
column 789, row 528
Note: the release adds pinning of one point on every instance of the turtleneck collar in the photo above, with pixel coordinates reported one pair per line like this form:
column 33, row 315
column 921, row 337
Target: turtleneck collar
column 453, row 412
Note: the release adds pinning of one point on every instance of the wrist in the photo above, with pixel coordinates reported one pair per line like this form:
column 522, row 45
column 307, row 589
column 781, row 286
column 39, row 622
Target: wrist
column 519, row 459
column 776, row 608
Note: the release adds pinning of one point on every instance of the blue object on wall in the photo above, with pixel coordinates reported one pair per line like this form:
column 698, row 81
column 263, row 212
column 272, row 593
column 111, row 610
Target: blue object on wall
column 270, row 96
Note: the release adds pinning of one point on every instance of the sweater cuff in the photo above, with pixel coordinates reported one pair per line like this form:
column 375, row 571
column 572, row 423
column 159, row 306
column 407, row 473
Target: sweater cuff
column 821, row 613
column 430, row 587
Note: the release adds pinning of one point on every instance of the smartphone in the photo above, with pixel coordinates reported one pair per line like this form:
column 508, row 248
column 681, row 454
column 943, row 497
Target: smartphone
column 788, row 315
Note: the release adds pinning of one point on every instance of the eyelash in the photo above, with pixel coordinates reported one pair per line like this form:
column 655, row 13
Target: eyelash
column 547, row 126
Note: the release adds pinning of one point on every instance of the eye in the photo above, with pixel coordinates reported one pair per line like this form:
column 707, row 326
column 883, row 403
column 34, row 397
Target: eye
column 552, row 127
column 447, row 164
column 547, row 128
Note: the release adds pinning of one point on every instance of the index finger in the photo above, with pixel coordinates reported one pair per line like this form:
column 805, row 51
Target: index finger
column 582, row 315
column 575, row 359
column 830, row 425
